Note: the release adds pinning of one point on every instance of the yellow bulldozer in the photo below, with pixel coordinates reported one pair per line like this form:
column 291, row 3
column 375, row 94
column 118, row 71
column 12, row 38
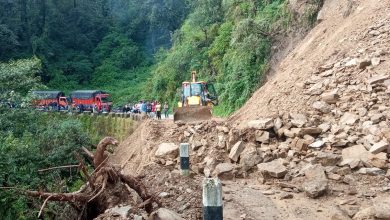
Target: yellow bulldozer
column 196, row 101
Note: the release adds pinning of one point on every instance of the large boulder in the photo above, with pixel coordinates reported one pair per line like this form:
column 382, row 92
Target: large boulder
column 274, row 168
column 224, row 171
column 250, row 158
column 236, row 151
column 167, row 150
column 354, row 155
column 315, row 188
column 263, row 124
column 316, row 183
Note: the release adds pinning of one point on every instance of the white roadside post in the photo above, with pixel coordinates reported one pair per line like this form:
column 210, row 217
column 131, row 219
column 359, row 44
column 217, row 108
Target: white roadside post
column 212, row 199
column 185, row 159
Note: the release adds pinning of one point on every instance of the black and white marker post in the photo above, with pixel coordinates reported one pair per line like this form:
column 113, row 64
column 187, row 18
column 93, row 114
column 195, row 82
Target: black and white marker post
column 212, row 199
column 185, row 159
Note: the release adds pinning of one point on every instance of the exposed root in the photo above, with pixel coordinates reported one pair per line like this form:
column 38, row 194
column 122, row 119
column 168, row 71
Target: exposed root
column 107, row 177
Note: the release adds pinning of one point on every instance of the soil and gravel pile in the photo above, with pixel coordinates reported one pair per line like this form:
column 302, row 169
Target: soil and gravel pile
column 316, row 135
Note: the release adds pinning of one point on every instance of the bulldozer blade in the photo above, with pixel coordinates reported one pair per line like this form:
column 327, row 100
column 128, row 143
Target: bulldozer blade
column 191, row 114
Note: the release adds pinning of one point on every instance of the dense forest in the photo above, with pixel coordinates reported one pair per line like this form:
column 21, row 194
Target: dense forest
column 145, row 49
column 135, row 49
column 107, row 44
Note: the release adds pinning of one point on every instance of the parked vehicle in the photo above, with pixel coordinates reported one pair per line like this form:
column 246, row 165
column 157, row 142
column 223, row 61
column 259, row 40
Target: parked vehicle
column 50, row 100
column 91, row 100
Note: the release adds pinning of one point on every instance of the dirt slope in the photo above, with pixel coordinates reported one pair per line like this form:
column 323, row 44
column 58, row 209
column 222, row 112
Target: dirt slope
column 351, row 33
column 137, row 151
column 340, row 34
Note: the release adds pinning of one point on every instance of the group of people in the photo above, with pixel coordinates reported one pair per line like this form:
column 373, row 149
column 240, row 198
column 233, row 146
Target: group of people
column 152, row 109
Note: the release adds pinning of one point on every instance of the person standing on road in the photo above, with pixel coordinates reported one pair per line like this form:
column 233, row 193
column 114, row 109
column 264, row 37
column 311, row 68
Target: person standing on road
column 158, row 110
column 166, row 108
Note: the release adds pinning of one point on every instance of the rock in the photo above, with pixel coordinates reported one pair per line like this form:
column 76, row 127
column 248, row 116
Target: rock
column 352, row 62
column 298, row 120
column 379, row 147
column 122, row 211
column 354, row 154
column 340, row 216
column 348, row 119
column 374, row 171
column 223, row 129
column 344, row 171
column 315, row 188
column 221, row 141
column 292, row 133
column 298, row 144
column 167, row 150
column 196, row 145
column 187, row 133
column 362, row 111
column 375, row 61
column 327, row 159
column 250, row 158
column 274, row 168
column 268, row 193
column 363, row 63
column 314, row 172
column 367, row 213
column 165, row 214
column 377, row 118
column 236, row 151
column 163, row 194
column 378, row 160
column 285, row 195
column 316, row 89
column 330, row 97
column 262, row 136
column 321, row 106
column 316, row 183
column 310, row 131
column 324, row 126
column 334, row 176
column 381, row 206
column 224, row 171
column 262, row 124
column 378, row 79
column 278, row 123
column 233, row 138
column 317, row 144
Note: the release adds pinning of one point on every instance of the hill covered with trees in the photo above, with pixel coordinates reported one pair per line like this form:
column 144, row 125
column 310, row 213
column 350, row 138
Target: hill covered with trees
column 145, row 49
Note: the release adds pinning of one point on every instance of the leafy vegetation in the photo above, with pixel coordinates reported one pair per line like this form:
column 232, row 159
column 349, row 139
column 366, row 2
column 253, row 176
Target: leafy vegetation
column 227, row 42
column 31, row 141
column 102, row 44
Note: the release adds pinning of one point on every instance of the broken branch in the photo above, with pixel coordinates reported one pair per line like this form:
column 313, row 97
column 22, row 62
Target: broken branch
column 87, row 152
column 43, row 206
column 59, row 167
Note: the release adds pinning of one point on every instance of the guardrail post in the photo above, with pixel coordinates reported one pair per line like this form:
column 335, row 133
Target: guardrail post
column 185, row 159
column 212, row 199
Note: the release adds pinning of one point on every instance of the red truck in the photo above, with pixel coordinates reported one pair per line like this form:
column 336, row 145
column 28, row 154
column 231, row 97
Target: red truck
column 91, row 100
column 50, row 100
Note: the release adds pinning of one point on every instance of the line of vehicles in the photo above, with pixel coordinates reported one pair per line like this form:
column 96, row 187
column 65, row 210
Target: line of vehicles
column 79, row 100
column 196, row 99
